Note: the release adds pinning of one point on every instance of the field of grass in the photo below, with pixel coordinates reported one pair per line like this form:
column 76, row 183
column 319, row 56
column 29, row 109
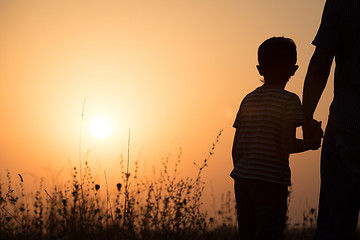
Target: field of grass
column 163, row 207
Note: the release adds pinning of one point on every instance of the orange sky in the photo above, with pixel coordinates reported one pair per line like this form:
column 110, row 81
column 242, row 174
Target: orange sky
column 172, row 71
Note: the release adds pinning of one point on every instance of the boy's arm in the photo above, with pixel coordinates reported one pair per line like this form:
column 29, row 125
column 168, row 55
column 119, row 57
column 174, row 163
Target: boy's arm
column 235, row 152
column 290, row 144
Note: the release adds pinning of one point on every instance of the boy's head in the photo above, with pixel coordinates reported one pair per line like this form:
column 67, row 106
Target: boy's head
column 277, row 60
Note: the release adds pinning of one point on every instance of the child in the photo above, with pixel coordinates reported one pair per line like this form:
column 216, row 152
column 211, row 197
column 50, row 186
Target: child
column 265, row 136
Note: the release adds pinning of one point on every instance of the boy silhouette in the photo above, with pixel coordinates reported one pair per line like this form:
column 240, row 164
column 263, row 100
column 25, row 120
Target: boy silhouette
column 265, row 136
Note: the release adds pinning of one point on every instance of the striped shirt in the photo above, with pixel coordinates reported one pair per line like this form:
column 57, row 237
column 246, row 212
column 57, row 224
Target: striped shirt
column 259, row 122
column 340, row 31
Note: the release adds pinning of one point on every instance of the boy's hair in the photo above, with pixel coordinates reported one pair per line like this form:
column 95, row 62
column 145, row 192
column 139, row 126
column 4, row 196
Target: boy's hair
column 276, row 54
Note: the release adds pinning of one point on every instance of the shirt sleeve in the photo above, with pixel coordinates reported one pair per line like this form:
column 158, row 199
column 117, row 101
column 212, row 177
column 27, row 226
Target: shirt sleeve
column 237, row 119
column 238, row 116
column 293, row 111
column 328, row 33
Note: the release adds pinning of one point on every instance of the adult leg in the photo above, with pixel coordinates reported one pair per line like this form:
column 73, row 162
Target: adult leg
column 339, row 193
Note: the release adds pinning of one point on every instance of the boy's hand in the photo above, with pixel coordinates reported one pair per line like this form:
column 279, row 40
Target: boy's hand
column 317, row 134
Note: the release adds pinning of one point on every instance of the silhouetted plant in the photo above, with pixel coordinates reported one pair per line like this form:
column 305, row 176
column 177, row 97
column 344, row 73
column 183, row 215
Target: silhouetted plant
column 162, row 207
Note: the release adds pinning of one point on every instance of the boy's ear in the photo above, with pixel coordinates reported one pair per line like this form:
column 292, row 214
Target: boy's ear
column 295, row 68
column 259, row 68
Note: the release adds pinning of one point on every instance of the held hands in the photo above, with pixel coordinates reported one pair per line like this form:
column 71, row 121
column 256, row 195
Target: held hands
column 313, row 132
column 309, row 128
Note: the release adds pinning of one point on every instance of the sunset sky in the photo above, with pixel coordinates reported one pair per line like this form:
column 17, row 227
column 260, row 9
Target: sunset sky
column 174, row 72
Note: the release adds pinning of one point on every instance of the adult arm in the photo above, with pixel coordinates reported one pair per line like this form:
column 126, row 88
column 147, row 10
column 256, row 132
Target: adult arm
column 314, row 85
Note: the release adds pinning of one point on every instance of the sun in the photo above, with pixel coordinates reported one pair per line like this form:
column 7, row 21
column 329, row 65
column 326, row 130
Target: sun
column 100, row 128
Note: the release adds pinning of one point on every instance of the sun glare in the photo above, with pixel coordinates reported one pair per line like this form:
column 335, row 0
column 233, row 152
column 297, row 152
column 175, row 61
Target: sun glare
column 100, row 128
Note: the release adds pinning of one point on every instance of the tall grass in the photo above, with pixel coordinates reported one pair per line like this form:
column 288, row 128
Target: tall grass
column 161, row 207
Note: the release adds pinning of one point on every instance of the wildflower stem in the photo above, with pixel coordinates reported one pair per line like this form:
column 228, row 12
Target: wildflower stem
column 12, row 216
column 108, row 202
column 81, row 121
column 48, row 194
column 81, row 183
column 127, row 182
